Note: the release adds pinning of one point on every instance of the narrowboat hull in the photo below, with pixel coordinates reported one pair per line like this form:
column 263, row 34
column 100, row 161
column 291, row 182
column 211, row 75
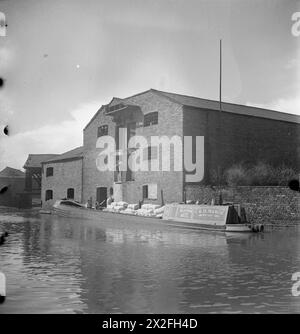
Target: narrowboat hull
column 81, row 212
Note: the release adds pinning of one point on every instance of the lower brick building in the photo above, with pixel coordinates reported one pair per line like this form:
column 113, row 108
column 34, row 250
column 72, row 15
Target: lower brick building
column 228, row 136
column 62, row 177
column 33, row 179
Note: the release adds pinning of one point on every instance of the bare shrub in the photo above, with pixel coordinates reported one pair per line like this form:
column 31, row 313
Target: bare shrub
column 217, row 177
column 284, row 175
column 262, row 174
column 237, row 176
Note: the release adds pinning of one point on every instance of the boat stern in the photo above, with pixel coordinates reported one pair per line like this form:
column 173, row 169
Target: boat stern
column 244, row 227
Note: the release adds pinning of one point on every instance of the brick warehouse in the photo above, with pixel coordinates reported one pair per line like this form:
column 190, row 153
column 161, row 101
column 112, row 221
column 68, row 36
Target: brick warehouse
column 235, row 134
column 62, row 177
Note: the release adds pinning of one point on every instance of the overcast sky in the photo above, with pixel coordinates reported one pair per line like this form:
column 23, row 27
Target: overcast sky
column 62, row 59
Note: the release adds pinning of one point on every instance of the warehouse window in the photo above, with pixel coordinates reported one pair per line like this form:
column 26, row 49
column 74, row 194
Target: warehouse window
column 102, row 130
column 150, row 191
column 48, row 195
column 145, row 191
column 70, row 193
column 49, row 171
column 151, row 119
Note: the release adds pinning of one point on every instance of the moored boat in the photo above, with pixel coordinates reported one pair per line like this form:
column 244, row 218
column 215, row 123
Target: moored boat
column 223, row 218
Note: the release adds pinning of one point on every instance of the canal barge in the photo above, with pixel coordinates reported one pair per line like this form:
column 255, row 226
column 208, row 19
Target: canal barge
column 223, row 218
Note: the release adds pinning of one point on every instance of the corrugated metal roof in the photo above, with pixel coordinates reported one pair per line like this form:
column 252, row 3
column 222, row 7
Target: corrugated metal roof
column 11, row 172
column 201, row 103
column 76, row 153
column 230, row 107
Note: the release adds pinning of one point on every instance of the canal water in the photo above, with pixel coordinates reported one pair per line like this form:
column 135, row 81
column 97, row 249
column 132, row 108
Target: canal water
column 62, row 265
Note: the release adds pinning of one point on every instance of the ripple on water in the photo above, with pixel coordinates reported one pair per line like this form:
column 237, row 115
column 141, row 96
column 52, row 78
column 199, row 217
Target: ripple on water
column 56, row 265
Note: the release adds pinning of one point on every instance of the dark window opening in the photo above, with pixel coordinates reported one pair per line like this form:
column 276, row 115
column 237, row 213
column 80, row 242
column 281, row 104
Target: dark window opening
column 151, row 119
column 102, row 130
column 101, row 196
column 49, row 171
column 48, row 195
column 145, row 191
column 70, row 193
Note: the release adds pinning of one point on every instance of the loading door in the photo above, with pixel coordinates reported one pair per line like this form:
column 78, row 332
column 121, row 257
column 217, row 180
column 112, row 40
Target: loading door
column 101, row 196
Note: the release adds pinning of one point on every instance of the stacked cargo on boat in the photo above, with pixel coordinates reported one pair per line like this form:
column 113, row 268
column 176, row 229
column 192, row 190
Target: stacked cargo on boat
column 146, row 210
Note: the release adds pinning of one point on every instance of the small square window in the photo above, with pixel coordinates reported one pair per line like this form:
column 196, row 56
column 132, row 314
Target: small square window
column 49, row 171
column 70, row 193
column 151, row 119
column 102, row 130
column 150, row 191
column 48, row 195
column 145, row 191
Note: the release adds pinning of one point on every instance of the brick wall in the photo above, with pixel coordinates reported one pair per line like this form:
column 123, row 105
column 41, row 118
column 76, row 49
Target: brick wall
column 169, row 123
column 92, row 177
column 232, row 138
column 67, row 174
column 269, row 205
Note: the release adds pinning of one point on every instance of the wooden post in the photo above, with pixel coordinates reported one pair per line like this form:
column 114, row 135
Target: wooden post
column 162, row 197
column 239, row 210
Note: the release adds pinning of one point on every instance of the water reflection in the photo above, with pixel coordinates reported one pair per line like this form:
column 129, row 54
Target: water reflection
column 62, row 265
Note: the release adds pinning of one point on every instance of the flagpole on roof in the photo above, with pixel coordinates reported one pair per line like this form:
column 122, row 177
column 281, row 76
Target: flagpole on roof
column 220, row 88
column 219, row 121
